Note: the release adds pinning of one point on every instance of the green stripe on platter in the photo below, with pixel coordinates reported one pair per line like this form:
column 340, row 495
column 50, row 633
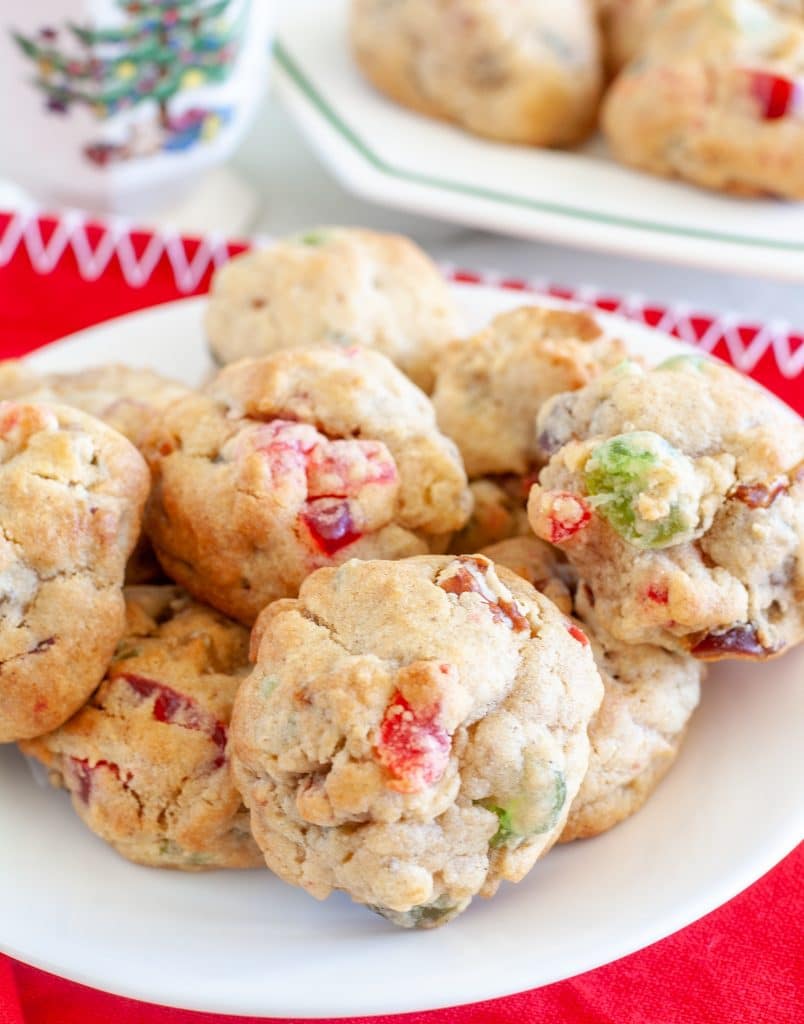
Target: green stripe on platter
column 294, row 72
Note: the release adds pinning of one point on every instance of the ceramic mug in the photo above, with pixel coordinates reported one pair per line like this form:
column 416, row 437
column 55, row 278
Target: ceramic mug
column 116, row 105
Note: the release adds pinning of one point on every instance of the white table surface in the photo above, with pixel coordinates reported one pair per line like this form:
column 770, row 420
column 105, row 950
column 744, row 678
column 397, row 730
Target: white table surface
column 296, row 190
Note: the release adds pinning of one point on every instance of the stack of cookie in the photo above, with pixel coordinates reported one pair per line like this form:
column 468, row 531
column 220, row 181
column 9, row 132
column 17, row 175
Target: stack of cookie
column 711, row 91
column 230, row 628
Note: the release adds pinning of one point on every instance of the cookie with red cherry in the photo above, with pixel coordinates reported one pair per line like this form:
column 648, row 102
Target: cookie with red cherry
column 334, row 286
column 301, row 459
column 146, row 760
column 715, row 96
column 412, row 733
column 677, row 494
column 72, row 492
column 649, row 697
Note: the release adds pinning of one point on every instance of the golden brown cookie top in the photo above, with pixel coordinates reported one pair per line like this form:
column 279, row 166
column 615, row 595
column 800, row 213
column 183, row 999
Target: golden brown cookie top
column 490, row 387
column 124, row 397
column 146, row 760
column 338, row 286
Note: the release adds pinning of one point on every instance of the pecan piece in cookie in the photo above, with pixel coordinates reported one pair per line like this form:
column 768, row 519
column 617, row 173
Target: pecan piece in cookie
column 441, row 738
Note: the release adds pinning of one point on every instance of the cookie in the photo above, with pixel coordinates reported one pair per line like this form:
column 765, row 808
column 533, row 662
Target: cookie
column 499, row 510
column 678, row 496
column 336, row 286
column 523, row 72
column 413, row 733
column 649, row 697
column 71, row 497
column 713, row 98
column 489, row 388
column 625, row 25
column 125, row 397
column 146, row 760
column 305, row 458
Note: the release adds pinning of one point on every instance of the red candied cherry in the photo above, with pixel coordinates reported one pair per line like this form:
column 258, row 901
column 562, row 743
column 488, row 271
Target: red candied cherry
column 413, row 746
column 330, row 524
column 577, row 633
column 741, row 641
column 342, row 468
column 175, row 708
column 657, row 593
column 776, row 95
column 80, row 774
column 560, row 515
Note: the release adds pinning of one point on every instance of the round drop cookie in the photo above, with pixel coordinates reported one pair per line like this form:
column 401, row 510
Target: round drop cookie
column 413, row 733
column 649, row 697
column 71, row 497
column 335, row 286
column 526, row 72
column 146, row 760
column 678, row 496
column 714, row 97
column 490, row 387
column 124, row 397
column 305, row 458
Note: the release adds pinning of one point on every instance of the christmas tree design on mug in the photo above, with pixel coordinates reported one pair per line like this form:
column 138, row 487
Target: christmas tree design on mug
column 155, row 50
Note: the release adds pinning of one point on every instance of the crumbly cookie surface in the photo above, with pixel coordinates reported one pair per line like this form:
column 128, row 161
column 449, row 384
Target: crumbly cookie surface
column 678, row 495
column 146, row 760
column 125, row 397
column 649, row 697
column 526, row 72
column 711, row 98
column 413, row 732
column 71, row 497
column 301, row 459
column 490, row 387
column 336, row 286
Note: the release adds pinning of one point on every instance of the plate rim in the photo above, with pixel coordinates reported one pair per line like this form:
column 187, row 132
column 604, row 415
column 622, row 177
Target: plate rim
column 353, row 138
column 729, row 885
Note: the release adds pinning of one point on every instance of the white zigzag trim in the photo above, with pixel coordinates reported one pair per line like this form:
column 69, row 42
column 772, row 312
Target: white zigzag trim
column 93, row 260
column 70, row 232
column 678, row 320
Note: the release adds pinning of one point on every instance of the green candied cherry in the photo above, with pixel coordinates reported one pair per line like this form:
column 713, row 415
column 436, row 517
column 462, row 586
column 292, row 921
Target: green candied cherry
column 427, row 915
column 685, row 361
column 314, row 237
column 648, row 490
column 534, row 809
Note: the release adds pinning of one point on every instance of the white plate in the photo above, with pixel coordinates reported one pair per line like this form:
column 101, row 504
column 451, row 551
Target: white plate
column 398, row 158
column 243, row 942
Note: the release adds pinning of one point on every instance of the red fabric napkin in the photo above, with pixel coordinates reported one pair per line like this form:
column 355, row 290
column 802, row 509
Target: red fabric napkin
column 742, row 964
